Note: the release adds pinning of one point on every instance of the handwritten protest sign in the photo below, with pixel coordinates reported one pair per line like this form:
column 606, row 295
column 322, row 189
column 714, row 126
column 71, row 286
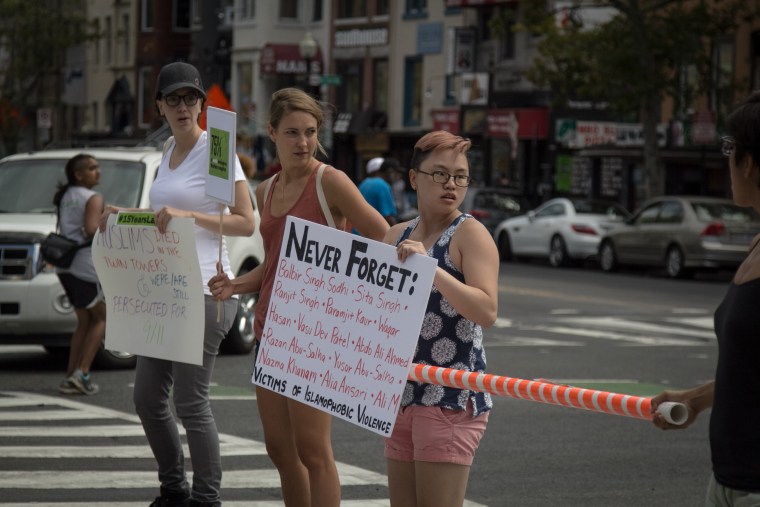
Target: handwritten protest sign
column 153, row 288
column 343, row 323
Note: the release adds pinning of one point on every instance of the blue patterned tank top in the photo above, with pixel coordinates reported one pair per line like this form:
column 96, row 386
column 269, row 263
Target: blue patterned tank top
column 446, row 339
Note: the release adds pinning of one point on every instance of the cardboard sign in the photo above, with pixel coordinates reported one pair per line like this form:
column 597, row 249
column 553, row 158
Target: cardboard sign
column 343, row 323
column 153, row 287
column 220, row 180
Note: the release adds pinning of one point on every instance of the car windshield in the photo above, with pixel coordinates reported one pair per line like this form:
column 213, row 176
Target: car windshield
column 728, row 212
column 28, row 186
column 496, row 201
column 610, row 209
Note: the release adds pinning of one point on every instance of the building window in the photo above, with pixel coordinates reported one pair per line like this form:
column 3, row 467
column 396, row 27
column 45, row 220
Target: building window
column 381, row 8
column 108, row 37
column 146, row 15
column 380, row 88
column 723, row 74
column 245, row 91
column 95, row 117
column 349, row 99
column 182, row 15
column 498, row 26
column 415, row 9
column 352, row 8
column 317, row 11
column 247, row 9
column 288, row 9
column 145, row 98
column 755, row 59
column 413, row 91
column 125, row 32
column 96, row 43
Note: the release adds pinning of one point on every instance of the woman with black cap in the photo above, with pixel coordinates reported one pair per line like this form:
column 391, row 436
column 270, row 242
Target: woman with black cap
column 179, row 190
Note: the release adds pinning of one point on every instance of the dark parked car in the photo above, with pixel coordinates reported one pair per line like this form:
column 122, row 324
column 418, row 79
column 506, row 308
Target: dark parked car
column 682, row 234
column 491, row 205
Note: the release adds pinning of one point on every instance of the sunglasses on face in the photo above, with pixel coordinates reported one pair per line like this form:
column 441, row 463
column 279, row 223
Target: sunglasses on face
column 173, row 100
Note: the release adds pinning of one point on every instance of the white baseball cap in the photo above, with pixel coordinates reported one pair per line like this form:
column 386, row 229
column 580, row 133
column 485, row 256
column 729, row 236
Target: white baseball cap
column 374, row 165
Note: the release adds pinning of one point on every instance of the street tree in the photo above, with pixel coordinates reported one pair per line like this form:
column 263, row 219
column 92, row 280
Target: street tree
column 34, row 37
column 642, row 53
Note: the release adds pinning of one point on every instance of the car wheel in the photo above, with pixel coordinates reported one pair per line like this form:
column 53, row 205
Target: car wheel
column 607, row 257
column 674, row 263
column 113, row 360
column 505, row 247
column 557, row 252
column 240, row 339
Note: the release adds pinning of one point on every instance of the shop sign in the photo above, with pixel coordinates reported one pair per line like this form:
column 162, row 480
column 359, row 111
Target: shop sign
column 518, row 123
column 446, row 119
column 584, row 134
column 361, row 38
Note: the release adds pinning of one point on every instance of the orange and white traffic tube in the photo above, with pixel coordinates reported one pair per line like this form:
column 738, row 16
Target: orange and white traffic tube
column 547, row 392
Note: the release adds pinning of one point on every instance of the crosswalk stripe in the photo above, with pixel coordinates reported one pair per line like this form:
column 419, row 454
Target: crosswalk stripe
column 523, row 341
column 630, row 325
column 135, row 479
column 114, row 451
column 45, row 415
column 89, row 431
column 610, row 335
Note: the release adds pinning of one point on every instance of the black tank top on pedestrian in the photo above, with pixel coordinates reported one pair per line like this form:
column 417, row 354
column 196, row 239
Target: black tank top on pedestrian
column 735, row 417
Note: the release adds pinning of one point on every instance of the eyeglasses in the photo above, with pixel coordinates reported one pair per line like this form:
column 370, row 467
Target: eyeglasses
column 173, row 100
column 443, row 177
column 727, row 145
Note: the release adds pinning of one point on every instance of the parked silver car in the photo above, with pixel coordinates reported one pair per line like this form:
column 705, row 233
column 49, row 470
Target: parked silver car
column 34, row 308
column 682, row 234
column 562, row 230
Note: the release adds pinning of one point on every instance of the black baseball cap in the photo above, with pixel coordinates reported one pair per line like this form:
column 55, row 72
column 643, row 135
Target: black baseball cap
column 174, row 76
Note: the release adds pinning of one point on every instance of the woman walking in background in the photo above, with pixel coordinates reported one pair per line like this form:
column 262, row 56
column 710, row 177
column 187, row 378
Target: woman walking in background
column 79, row 208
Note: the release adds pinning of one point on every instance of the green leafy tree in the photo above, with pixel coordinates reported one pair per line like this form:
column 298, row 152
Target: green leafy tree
column 34, row 35
column 635, row 59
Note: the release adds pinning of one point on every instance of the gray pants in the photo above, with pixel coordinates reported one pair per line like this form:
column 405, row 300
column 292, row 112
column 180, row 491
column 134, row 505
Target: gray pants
column 154, row 380
column 721, row 496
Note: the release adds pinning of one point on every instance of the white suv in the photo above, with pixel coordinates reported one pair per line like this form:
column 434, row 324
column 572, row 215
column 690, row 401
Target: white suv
column 33, row 305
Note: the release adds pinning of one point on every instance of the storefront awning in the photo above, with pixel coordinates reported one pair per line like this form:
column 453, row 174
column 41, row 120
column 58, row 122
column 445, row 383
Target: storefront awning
column 286, row 59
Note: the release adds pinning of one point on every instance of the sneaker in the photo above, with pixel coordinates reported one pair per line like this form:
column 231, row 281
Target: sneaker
column 165, row 501
column 83, row 383
column 66, row 387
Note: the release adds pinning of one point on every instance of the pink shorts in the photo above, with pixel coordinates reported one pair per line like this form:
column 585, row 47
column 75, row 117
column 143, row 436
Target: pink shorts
column 436, row 434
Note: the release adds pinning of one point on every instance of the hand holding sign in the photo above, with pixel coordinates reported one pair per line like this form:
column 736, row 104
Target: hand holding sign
column 148, row 278
column 220, row 180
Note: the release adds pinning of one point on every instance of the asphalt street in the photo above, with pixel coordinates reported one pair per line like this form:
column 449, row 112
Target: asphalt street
column 632, row 333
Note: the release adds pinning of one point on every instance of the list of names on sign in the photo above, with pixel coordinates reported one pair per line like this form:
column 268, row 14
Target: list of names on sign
column 152, row 286
column 342, row 324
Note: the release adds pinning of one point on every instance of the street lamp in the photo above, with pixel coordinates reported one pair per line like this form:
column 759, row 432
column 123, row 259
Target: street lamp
column 308, row 50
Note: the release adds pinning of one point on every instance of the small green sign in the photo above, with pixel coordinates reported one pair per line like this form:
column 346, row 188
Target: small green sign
column 331, row 80
column 219, row 163
column 141, row 218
